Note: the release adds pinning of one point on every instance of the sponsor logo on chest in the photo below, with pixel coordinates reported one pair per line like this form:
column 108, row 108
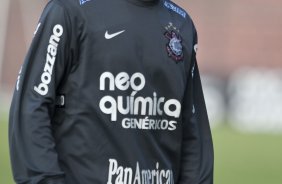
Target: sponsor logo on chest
column 139, row 112
column 136, row 175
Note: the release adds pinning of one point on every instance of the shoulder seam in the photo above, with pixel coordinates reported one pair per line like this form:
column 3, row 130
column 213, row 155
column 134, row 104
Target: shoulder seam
column 175, row 8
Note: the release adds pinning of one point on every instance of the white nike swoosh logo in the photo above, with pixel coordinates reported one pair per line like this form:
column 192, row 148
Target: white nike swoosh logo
column 110, row 36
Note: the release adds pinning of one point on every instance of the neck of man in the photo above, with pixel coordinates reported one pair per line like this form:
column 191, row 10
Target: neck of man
column 145, row 2
column 149, row 0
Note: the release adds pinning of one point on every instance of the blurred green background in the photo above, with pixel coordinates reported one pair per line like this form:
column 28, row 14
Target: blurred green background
column 239, row 158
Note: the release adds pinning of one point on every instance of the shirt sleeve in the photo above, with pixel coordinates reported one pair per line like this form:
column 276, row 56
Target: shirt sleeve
column 32, row 147
column 197, row 152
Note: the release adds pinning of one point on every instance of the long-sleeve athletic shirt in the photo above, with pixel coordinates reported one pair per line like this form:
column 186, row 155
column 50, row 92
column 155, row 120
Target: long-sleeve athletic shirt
column 110, row 93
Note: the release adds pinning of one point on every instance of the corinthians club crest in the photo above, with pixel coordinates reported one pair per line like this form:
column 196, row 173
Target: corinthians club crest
column 174, row 46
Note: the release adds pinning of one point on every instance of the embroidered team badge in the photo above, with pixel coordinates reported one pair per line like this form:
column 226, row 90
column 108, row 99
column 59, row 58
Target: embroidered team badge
column 174, row 46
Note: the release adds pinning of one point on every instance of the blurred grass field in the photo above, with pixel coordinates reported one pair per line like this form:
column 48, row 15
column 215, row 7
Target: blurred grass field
column 239, row 158
column 5, row 169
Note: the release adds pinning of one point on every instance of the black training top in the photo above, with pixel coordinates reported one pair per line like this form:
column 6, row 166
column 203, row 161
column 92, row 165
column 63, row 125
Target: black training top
column 110, row 93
